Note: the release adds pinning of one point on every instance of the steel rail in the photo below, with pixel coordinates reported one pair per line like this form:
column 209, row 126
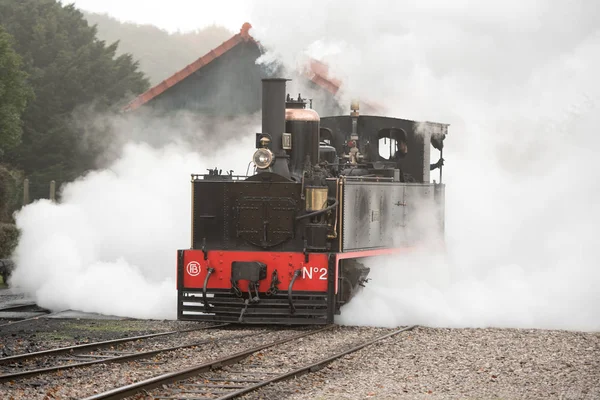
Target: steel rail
column 116, row 359
column 30, row 319
column 311, row 367
column 98, row 345
column 17, row 307
column 148, row 384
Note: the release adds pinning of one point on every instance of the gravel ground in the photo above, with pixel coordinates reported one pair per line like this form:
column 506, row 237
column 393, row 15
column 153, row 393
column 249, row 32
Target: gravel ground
column 83, row 382
column 421, row 364
column 289, row 356
column 45, row 333
column 135, row 346
column 459, row 364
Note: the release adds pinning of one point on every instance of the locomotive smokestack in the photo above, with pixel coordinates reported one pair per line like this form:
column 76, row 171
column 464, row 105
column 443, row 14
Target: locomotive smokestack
column 273, row 110
column 273, row 120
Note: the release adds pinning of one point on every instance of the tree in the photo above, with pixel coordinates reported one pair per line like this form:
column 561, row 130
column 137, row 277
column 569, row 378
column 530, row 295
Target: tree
column 160, row 53
column 14, row 93
column 11, row 189
column 68, row 68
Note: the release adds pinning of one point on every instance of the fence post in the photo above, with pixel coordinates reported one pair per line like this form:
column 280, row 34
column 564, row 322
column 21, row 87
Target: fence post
column 25, row 192
column 52, row 191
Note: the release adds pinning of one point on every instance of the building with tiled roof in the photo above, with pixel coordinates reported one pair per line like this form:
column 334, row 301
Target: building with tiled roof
column 226, row 82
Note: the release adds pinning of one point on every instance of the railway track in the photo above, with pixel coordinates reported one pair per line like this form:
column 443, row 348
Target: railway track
column 216, row 380
column 16, row 367
column 15, row 312
column 26, row 306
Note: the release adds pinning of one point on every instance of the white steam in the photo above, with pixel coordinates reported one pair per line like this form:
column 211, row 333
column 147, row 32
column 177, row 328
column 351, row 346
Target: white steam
column 110, row 245
column 518, row 82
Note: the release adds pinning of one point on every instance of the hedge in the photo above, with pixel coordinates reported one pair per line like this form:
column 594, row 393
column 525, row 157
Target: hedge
column 9, row 237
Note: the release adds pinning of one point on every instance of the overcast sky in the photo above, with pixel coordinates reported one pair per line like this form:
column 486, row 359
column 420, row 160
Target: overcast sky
column 172, row 15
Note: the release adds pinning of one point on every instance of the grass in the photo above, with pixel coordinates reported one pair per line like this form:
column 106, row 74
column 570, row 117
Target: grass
column 55, row 336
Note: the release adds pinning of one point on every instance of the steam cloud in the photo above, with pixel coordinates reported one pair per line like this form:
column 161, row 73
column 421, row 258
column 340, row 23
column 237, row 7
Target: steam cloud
column 517, row 81
column 110, row 245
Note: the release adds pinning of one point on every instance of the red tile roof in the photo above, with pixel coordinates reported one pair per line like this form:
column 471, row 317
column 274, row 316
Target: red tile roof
column 319, row 74
column 317, row 71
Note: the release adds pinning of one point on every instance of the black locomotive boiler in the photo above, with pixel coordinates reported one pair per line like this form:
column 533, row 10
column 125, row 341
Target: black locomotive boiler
column 284, row 245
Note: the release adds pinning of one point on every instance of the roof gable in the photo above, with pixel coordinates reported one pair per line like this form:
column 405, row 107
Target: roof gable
column 317, row 72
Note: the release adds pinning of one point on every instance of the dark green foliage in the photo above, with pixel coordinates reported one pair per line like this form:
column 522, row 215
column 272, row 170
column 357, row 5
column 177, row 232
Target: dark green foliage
column 11, row 189
column 160, row 54
column 14, row 93
column 9, row 237
column 68, row 67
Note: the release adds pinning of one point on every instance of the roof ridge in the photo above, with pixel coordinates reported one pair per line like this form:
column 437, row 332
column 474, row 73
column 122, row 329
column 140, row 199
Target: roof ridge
column 317, row 75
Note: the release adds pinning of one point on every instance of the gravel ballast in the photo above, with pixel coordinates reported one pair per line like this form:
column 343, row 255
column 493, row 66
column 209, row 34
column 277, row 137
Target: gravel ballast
column 84, row 382
column 459, row 364
column 424, row 363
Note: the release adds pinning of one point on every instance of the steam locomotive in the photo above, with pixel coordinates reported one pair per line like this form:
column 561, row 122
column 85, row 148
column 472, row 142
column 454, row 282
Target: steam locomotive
column 286, row 244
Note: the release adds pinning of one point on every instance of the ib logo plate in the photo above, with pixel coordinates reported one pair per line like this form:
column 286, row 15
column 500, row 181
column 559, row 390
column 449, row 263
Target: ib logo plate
column 193, row 268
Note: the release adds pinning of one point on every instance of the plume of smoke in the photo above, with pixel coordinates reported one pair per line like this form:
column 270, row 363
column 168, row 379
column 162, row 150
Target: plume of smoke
column 110, row 245
column 516, row 81
column 108, row 134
